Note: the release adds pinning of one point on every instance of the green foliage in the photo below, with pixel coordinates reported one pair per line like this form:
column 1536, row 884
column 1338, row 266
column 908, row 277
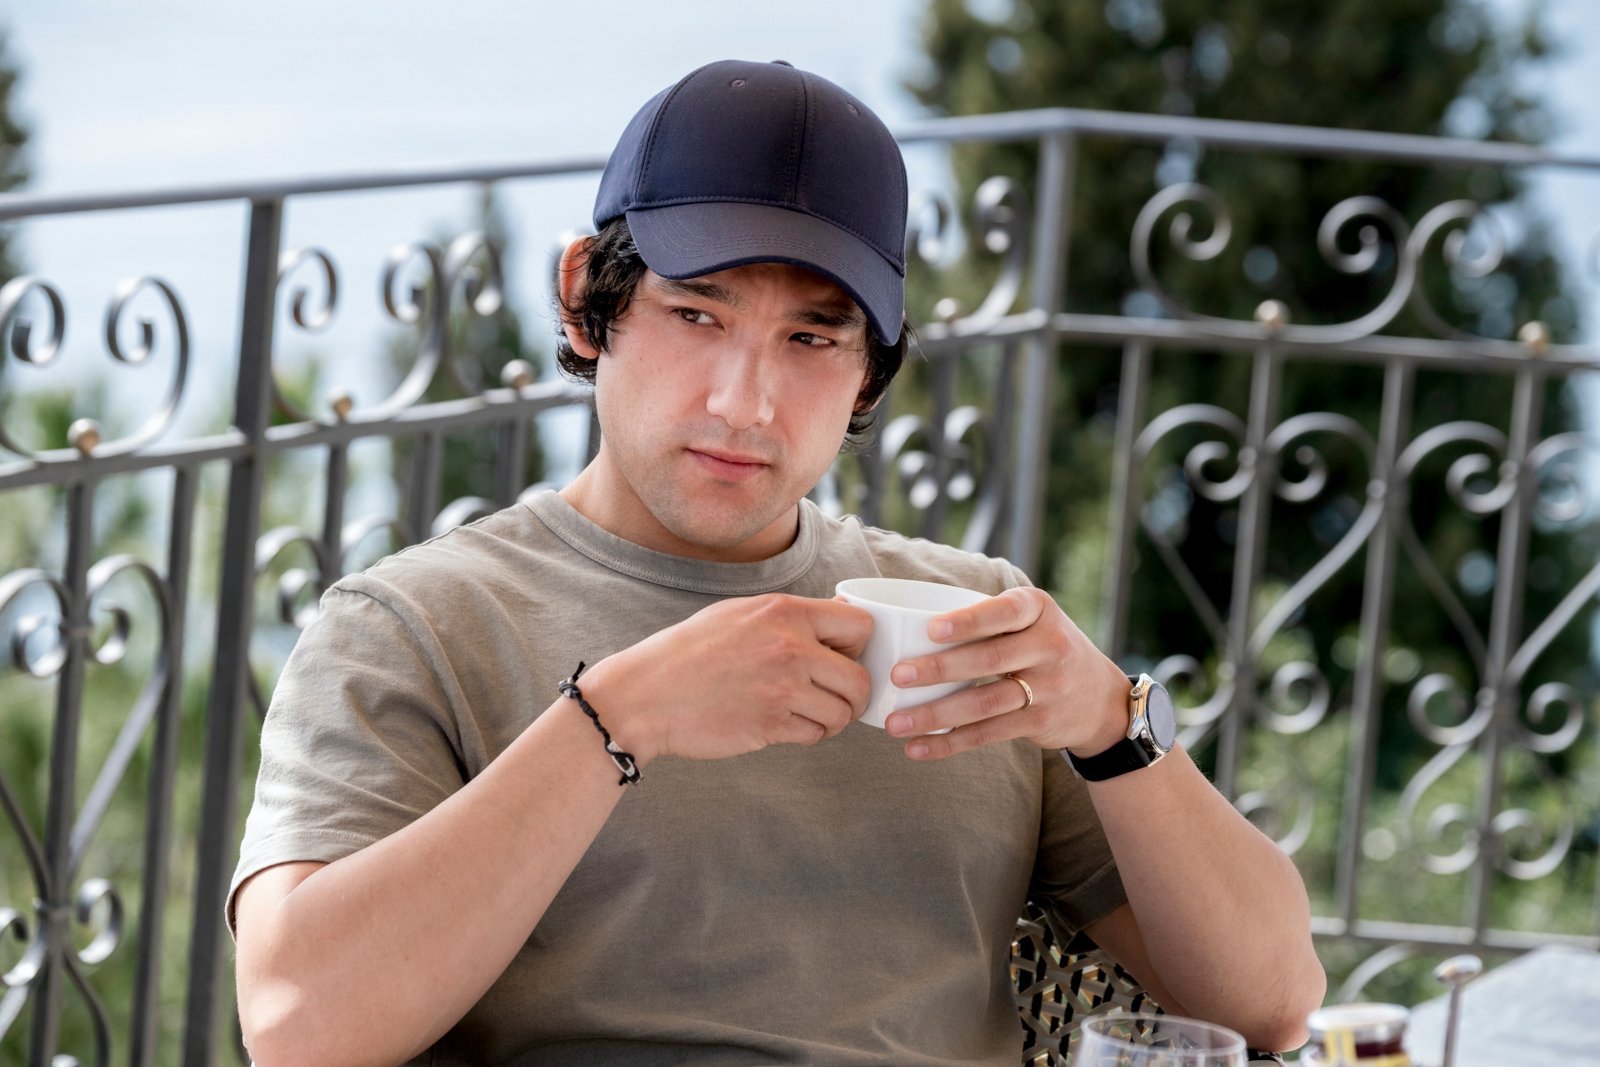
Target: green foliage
column 13, row 139
column 1400, row 66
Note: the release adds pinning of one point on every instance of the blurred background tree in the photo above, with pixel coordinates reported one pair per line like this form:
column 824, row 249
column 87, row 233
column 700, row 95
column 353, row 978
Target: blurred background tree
column 1443, row 67
column 1401, row 66
column 13, row 138
column 13, row 164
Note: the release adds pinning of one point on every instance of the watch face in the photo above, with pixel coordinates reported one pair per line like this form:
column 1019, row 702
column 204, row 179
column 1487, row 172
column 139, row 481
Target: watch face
column 1163, row 717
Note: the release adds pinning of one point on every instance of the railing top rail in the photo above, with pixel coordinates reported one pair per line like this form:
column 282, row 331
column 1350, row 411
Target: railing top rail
column 28, row 205
column 1006, row 126
column 1234, row 133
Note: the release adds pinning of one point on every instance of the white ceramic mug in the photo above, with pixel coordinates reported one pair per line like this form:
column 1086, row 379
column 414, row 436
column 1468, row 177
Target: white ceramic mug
column 901, row 610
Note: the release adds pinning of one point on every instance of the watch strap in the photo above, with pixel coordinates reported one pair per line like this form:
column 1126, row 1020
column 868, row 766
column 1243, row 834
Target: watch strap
column 1124, row 756
column 1130, row 753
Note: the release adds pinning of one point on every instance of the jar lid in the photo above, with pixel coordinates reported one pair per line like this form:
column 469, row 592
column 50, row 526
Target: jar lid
column 1364, row 1022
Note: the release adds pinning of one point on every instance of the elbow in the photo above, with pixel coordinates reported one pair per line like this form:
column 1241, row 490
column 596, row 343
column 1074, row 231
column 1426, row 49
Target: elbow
column 1283, row 1026
column 1283, row 1034
column 282, row 1028
column 270, row 1040
column 276, row 1030
column 285, row 1024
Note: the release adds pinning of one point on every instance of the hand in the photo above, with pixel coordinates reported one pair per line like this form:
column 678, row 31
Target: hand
column 1080, row 696
column 735, row 677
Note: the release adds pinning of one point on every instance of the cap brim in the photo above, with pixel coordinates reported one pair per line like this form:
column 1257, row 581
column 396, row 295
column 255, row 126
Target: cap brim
column 688, row 240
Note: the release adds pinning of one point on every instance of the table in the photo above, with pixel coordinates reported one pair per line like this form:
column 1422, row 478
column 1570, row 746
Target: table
column 1541, row 1009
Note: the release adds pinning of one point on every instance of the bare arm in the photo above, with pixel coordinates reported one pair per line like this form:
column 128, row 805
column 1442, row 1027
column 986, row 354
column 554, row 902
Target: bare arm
column 1218, row 910
column 370, row 959
column 1218, row 922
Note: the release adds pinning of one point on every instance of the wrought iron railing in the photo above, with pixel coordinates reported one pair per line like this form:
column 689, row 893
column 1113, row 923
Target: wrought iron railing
column 128, row 728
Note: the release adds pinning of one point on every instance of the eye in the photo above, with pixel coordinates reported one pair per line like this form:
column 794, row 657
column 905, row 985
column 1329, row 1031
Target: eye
column 812, row 340
column 694, row 316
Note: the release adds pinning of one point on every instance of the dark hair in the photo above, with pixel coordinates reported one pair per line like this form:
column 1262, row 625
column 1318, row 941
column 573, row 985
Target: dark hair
column 614, row 267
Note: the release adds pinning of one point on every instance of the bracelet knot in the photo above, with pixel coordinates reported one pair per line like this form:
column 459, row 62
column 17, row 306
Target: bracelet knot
column 623, row 760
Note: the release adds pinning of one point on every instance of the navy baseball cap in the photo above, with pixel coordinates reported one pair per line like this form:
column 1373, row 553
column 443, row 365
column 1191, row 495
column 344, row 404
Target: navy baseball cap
column 763, row 163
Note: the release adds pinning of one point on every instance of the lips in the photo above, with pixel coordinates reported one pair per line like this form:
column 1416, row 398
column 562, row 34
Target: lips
column 728, row 466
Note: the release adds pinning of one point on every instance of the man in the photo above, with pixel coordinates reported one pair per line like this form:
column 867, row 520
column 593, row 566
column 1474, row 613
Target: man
column 449, row 862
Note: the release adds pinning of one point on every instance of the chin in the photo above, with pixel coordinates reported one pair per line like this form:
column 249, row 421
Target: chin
column 716, row 532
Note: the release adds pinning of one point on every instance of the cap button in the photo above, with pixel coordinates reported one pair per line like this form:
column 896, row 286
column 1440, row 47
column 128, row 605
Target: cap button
column 783, row 62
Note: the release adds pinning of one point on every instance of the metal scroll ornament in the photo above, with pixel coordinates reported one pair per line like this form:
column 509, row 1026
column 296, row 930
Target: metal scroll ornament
column 1366, row 221
column 469, row 271
column 1221, row 469
column 1361, row 235
column 1002, row 224
column 41, row 641
column 87, row 435
column 1532, row 841
column 467, row 276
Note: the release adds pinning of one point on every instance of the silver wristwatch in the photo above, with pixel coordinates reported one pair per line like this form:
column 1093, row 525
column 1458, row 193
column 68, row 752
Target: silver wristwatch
column 1152, row 731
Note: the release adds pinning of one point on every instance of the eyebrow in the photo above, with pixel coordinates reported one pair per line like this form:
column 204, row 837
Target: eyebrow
column 839, row 315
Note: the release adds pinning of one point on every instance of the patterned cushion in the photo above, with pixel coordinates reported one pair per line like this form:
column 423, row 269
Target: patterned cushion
column 1058, row 987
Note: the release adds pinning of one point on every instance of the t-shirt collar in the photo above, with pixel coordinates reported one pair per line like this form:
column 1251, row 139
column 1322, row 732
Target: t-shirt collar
column 679, row 572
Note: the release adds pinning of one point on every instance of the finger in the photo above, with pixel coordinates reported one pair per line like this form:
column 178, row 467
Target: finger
column 1002, row 697
column 843, row 679
column 826, row 708
column 839, row 625
column 979, row 659
column 1007, row 612
column 965, row 738
column 797, row 729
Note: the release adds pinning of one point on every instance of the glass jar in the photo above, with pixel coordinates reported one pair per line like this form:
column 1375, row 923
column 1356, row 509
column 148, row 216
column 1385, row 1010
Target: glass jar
column 1357, row 1035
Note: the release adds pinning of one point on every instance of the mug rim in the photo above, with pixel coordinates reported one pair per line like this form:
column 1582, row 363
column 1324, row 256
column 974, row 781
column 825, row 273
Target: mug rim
column 841, row 590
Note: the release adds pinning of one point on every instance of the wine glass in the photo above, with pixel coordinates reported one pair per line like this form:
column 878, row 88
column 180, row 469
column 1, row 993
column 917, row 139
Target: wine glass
column 1155, row 1041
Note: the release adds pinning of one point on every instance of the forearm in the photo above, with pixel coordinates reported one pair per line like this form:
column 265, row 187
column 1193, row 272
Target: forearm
column 1221, row 910
column 372, row 958
column 1218, row 916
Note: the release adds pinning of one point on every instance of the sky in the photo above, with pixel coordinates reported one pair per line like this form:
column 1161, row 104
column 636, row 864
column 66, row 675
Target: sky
column 169, row 90
column 159, row 93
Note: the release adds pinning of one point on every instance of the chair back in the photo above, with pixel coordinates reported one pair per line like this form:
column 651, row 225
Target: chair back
column 1060, row 986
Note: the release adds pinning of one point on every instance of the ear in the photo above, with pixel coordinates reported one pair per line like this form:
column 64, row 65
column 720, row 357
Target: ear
column 572, row 276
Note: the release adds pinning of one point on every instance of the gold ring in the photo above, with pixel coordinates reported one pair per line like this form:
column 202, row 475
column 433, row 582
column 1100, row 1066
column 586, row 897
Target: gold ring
column 1027, row 692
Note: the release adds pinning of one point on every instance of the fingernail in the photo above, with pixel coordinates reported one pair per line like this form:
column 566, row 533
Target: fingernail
column 940, row 630
column 903, row 674
column 917, row 751
column 898, row 724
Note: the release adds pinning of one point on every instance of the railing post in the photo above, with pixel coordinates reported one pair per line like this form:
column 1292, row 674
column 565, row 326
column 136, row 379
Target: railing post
column 55, row 910
column 427, row 470
column 330, row 567
column 1377, row 600
column 1051, row 247
column 942, row 398
column 163, row 775
column 1132, row 401
column 225, row 706
column 1498, row 686
column 1266, row 382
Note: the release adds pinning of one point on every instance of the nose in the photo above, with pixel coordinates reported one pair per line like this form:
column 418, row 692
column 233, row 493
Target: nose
column 741, row 390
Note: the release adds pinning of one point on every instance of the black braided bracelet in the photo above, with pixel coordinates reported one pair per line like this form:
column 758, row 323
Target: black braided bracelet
column 623, row 760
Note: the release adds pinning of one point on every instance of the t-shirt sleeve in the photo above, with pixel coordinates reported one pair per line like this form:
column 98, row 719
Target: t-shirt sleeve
column 1075, row 878
column 358, row 741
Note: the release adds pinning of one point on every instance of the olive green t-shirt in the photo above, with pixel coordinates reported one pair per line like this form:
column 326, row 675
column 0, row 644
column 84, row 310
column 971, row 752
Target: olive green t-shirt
column 837, row 904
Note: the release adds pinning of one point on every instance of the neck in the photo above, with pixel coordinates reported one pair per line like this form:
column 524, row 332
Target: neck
column 614, row 508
